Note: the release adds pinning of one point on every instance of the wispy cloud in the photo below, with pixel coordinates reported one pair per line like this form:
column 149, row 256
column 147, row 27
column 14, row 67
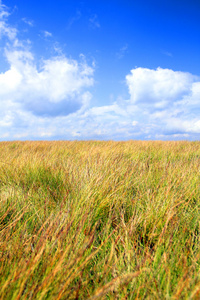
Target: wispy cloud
column 167, row 53
column 74, row 19
column 58, row 49
column 6, row 30
column 94, row 22
column 46, row 33
column 28, row 22
column 3, row 11
column 122, row 51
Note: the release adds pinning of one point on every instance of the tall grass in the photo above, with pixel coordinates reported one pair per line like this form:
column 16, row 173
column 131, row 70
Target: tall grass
column 99, row 220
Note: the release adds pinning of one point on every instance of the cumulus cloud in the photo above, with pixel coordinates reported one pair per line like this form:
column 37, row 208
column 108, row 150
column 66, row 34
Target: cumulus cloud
column 38, row 97
column 58, row 86
column 168, row 100
column 158, row 87
column 163, row 104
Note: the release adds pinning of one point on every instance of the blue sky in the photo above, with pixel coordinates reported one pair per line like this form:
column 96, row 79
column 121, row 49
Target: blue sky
column 80, row 70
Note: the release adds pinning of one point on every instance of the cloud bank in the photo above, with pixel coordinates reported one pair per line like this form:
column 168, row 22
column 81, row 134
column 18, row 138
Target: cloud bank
column 162, row 104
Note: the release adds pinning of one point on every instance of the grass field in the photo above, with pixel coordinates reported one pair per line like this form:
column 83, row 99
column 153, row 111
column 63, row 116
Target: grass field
column 99, row 220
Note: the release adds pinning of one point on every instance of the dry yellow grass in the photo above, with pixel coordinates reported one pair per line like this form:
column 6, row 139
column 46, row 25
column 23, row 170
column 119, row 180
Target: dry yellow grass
column 99, row 220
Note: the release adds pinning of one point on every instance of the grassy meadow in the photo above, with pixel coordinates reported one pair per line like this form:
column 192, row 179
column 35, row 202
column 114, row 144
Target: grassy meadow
column 99, row 220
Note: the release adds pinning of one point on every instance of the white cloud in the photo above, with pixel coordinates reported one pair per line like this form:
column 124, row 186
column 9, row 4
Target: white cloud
column 134, row 123
column 166, row 99
column 34, row 93
column 194, row 97
column 47, row 33
column 158, row 86
column 183, row 126
column 57, row 88
column 6, row 30
column 3, row 10
column 121, row 121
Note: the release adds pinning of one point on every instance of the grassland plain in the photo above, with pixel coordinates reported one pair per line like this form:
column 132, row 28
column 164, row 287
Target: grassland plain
column 99, row 220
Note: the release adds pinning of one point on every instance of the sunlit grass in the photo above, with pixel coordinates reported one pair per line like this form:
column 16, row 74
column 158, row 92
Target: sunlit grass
column 99, row 220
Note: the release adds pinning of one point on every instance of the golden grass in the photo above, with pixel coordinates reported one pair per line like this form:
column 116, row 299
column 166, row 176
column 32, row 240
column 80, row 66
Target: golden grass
column 99, row 220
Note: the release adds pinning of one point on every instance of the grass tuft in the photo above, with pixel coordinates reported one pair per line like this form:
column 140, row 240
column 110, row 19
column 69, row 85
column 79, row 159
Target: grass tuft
column 99, row 220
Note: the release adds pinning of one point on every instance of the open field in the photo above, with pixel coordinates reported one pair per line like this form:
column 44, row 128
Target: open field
column 99, row 220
